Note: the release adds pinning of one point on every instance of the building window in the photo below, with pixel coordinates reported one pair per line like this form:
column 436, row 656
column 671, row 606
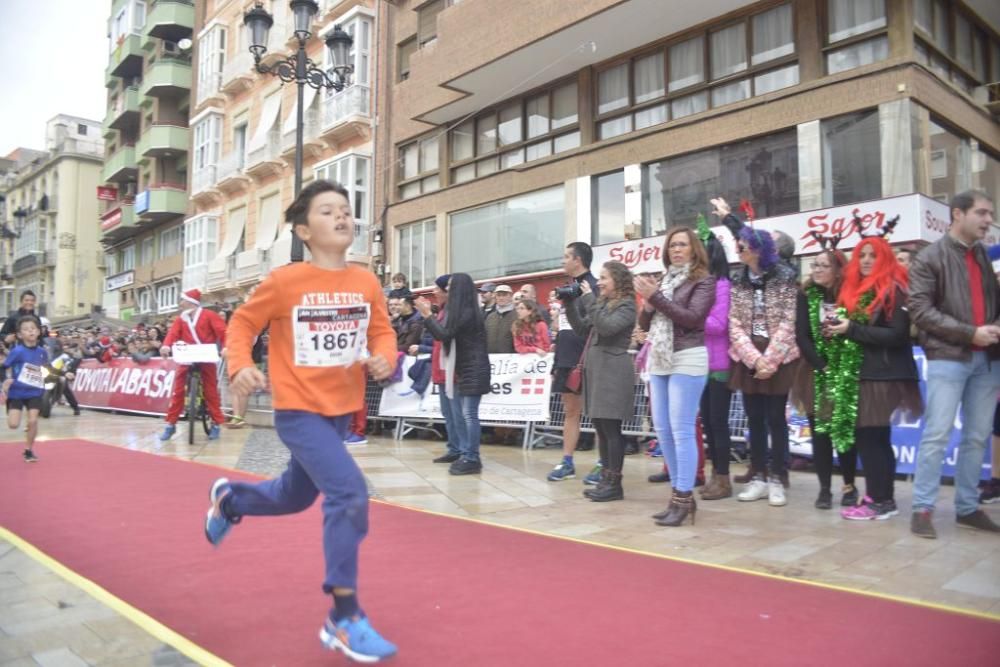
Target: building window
column 166, row 297
column 608, row 210
column 852, row 164
column 427, row 21
column 207, row 146
column 763, row 171
column 128, row 258
column 146, row 251
column 353, row 172
column 418, row 167
column 752, row 56
column 850, row 21
column 111, row 263
column 954, row 45
column 170, row 242
column 519, row 235
column 211, row 60
column 416, row 252
column 145, row 300
column 403, row 52
column 520, row 131
column 201, row 236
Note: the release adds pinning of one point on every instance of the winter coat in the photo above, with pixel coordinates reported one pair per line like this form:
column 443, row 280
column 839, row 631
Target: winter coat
column 472, row 363
column 717, row 328
column 408, row 331
column 537, row 337
column 941, row 303
column 499, row 336
column 689, row 308
column 888, row 354
column 780, row 293
column 608, row 370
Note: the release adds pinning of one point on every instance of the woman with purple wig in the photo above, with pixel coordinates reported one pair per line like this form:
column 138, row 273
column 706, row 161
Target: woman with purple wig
column 762, row 343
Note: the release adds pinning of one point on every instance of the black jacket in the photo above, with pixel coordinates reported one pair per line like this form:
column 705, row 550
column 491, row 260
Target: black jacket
column 472, row 363
column 886, row 344
column 804, row 336
column 10, row 324
column 569, row 344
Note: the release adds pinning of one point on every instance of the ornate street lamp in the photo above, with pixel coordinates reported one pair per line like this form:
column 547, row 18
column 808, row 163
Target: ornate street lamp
column 299, row 69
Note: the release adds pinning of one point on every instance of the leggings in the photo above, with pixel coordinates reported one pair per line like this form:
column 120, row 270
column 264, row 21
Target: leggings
column 715, row 423
column 874, row 443
column 611, row 442
column 766, row 413
column 823, row 457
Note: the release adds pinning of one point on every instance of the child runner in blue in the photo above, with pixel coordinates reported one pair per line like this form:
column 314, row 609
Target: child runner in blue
column 328, row 324
column 24, row 388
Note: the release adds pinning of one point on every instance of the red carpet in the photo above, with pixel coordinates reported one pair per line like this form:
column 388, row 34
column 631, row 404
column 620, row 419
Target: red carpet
column 448, row 592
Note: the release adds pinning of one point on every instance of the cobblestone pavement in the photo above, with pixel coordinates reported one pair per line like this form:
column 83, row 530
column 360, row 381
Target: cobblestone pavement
column 46, row 621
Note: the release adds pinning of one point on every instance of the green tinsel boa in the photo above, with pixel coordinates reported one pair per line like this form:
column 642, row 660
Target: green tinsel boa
column 838, row 385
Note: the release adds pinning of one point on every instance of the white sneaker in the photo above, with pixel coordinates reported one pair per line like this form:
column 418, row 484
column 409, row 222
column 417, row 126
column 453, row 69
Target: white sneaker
column 776, row 493
column 755, row 490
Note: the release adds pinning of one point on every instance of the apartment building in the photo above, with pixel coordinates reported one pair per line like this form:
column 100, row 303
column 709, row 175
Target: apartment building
column 608, row 121
column 243, row 128
column 145, row 196
column 47, row 205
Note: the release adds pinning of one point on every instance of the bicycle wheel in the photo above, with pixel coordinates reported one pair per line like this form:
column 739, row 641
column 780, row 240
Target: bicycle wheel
column 206, row 419
column 192, row 406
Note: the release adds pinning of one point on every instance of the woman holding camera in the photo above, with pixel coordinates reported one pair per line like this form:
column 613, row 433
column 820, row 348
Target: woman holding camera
column 674, row 314
column 878, row 366
column 608, row 373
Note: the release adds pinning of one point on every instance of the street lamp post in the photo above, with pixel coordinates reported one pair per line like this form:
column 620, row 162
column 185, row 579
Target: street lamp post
column 299, row 69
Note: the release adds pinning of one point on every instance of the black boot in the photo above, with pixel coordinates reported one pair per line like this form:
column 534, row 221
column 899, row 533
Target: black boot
column 591, row 490
column 611, row 491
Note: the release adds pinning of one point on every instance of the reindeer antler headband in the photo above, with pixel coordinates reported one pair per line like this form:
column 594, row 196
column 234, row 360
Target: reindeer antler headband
column 884, row 233
column 828, row 243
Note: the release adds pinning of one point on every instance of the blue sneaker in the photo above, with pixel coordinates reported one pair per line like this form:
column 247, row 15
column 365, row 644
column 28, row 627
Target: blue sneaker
column 168, row 432
column 214, row 432
column 217, row 525
column 594, row 477
column 562, row 471
column 356, row 439
column 657, row 452
column 357, row 639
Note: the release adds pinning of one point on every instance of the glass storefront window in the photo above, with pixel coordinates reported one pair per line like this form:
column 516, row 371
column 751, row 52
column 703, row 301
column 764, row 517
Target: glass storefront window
column 416, row 252
column 608, row 208
column 852, row 167
column 518, row 235
column 764, row 171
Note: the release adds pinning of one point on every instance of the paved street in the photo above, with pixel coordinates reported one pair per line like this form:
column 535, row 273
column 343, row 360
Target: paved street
column 46, row 621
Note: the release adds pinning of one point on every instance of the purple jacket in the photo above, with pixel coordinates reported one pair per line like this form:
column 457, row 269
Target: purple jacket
column 717, row 328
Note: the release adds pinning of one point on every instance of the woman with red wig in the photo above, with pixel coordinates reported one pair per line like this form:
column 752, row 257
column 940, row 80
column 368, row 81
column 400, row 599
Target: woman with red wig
column 876, row 374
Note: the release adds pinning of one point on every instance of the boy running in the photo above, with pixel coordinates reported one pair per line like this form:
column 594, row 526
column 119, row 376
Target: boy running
column 24, row 389
column 325, row 318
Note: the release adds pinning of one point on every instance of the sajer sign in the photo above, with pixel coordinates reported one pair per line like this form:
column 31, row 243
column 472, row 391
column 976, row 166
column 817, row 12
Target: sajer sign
column 920, row 219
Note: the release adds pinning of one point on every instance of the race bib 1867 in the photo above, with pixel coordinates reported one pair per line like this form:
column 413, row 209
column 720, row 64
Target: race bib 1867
column 327, row 336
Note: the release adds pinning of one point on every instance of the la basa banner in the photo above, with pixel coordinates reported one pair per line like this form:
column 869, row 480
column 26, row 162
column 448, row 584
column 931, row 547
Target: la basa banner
column 124, row 385
column 521, row 385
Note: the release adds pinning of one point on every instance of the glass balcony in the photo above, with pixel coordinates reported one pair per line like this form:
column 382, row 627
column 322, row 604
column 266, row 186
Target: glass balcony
column 121, row 166
column 167, row 77
column 171, row 20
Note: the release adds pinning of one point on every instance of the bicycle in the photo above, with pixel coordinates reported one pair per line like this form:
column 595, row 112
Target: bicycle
column 197, row 408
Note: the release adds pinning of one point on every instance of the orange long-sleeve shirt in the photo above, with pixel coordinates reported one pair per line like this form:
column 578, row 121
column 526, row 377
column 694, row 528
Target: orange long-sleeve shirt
column 328, row 391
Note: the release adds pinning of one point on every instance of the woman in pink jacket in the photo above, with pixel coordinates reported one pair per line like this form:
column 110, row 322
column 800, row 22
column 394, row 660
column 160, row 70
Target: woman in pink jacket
column 531, row 335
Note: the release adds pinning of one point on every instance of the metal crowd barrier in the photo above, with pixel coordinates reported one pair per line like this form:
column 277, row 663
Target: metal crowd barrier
column 534, row 433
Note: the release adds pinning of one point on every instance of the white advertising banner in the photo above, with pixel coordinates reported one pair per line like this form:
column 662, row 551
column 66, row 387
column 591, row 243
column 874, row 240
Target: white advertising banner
column 520, row 385
column 920, row 219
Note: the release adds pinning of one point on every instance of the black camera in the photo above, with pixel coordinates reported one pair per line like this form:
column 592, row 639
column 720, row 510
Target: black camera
column 568, row 292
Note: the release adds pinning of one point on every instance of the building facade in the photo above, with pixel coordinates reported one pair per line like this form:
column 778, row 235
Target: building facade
column 243, row 130
column 48, row 243
column 145, row 193
column 605, row 120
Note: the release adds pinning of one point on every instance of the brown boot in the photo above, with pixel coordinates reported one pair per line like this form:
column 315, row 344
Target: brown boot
column 670, row 506
column 718, row 488
column 682, row 505
column 750, row 474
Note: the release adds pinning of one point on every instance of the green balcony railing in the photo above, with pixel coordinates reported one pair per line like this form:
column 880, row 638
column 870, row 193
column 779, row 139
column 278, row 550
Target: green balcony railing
column 160, row 139
column 166, row 76
column 121, row 162
column 127, row 55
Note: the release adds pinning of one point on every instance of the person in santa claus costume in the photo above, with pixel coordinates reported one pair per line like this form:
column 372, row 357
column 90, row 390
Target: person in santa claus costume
column 195, row 326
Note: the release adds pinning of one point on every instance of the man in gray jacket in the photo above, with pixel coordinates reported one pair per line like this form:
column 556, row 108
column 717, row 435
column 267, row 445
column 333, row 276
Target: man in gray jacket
column 500, row 322
column 955, row 304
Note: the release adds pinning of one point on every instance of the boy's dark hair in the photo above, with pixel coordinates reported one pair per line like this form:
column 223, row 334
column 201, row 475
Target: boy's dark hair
column 28, row 292
column 297, row 213
column 963, row 201
column 583, row 252
column 28, row 318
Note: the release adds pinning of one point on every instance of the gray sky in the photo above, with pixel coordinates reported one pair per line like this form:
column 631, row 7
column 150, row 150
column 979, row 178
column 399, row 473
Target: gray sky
column 55, row 52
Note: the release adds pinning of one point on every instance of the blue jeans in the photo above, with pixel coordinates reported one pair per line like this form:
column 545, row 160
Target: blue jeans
column 674, row 401
column 450, row 421
column 974, row 384
column 465, row 413
column 320, row 463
